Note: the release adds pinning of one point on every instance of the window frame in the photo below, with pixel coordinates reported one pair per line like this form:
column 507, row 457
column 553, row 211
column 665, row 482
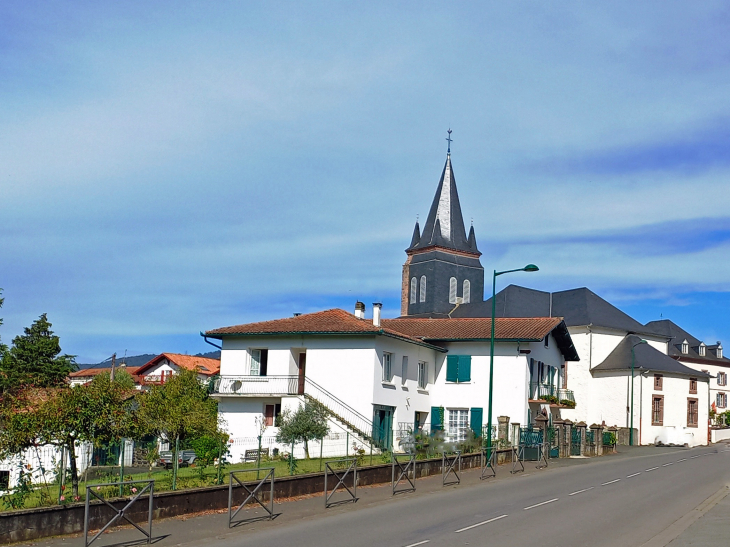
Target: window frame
column 387, row 369
column 466, row 292
column 422, row 286
column 262, row 362
column 724, row 378
column 404, row 370
column 658, row 382
column 414, row 289
column 654, row 399
column 694, row 400
column 453, row 290
column 457, row 433
column 721, row 396
column 422, row 374
column 693, row 386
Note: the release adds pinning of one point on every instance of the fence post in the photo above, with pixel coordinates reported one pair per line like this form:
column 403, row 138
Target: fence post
column 61, row 473
column 291, row 459
column 121, row 469
column 321, row 452
column 581, row 427
column 371, row 452
column 220, row 457
column 258, row 459
column 347, row 445
column 559, row 426
column 597, row 439
column 174, row 463
column 502, row 430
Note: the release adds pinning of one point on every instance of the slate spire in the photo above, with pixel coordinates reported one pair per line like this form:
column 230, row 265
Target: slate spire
column 416, row 236
column 445, row 224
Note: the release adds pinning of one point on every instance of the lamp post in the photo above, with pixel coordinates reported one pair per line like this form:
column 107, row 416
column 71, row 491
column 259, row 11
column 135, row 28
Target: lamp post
column 633, row 360
column 528, row 268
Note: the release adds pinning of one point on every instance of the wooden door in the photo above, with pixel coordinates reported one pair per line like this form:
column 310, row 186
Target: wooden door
column 302, row 367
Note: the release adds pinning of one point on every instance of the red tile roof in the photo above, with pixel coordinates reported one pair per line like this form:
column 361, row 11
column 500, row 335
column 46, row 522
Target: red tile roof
column 477, row 328
column 87, row 372
column 334, row 321
column 205, row 365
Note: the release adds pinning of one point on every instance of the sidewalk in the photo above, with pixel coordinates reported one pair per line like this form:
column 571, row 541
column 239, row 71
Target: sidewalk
column 711, row 529
column 212, row 526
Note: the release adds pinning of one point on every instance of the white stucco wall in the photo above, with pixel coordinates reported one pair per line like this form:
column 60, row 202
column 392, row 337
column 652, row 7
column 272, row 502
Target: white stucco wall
column 715, row 386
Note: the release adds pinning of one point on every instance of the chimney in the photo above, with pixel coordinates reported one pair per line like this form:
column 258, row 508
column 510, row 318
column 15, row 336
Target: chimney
column 377, row 306
column 359, row 310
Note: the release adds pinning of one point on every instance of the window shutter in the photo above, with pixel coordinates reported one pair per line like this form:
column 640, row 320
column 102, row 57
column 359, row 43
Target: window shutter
column 413, row 290
column 422, row 295
column 452, row 290
column 476, row 421
column 464, row 368
column 452, row 368
column 466, row 292
column 437, row 423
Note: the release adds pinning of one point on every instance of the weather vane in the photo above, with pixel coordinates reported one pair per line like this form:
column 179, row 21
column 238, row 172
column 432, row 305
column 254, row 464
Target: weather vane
column 449, row 139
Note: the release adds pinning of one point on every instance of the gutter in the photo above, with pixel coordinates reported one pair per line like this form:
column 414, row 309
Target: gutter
column 209, row 342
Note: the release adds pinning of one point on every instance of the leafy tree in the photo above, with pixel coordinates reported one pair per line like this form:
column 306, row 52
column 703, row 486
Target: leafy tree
column 3, row 347
column 98, row 412
column 308, row 423
column 34, row 359
column 180, row 409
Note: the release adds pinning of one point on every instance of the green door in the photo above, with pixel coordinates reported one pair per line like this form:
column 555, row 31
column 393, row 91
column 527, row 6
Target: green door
column 383, row 426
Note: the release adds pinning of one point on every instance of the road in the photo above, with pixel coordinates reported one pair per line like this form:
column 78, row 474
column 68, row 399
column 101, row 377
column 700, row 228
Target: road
column 610, row 502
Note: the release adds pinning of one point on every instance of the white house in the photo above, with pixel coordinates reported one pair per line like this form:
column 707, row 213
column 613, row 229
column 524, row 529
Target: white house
column 158, row 369
column 379, row 378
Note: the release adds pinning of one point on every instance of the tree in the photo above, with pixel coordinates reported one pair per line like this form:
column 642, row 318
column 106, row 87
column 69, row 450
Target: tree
column 308, row 423
column 3, row 347
column 179, row 409
column 34, row 359
column 98, row 412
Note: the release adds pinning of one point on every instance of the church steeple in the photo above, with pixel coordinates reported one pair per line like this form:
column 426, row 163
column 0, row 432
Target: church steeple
column 445, row 224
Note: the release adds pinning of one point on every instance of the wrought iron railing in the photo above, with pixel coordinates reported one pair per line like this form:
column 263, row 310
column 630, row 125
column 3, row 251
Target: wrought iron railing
column 551, row 394
column 339, row 409
column 256, row 385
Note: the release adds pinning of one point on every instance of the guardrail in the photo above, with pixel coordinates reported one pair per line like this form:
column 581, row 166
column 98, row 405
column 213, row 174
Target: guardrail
column 256, row 385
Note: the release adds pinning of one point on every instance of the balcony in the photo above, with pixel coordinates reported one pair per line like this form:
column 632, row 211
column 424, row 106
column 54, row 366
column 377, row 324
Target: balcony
column 551, row 394
column 256, row 385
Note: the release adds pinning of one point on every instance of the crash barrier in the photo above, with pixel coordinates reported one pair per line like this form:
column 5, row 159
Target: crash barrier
column 451, row 467
column 255, row 494
column 341, row 475
column 120, row 513
column 489, row 463
column 406, row 473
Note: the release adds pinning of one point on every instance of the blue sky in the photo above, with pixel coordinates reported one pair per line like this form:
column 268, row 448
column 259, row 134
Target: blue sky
column 172, row 167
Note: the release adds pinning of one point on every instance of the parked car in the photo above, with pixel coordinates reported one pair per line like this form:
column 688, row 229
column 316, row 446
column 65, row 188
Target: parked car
column 184, row 458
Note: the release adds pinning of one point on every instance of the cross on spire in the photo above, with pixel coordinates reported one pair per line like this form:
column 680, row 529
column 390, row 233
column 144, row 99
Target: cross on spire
column 449, row 139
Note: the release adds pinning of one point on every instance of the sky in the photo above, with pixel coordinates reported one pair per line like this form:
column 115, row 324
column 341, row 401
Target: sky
column 168, row 168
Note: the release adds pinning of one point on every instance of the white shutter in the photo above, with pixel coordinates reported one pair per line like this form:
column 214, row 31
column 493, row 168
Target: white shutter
column 466, row 297
column 422, row 296
column 413, row 290
column 452, row 290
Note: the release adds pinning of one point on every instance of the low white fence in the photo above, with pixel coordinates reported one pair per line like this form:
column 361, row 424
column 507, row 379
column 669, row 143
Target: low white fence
column 718, row 435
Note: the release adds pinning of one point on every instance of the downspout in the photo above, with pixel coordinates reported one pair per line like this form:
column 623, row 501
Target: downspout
column 641, row 402
column 209, row 342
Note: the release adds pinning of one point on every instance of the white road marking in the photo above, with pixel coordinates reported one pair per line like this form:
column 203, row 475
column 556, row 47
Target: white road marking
column 610, row 482
column 697, row 456
column 682, row 460
column 478, row 524
column 639, row 473
column 652, row 469
column 581, row 491
column 419, row 543
column 541, row 503
column 666, row 464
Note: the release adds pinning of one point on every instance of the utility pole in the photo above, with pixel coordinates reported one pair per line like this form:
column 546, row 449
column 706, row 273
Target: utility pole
column 114, row 358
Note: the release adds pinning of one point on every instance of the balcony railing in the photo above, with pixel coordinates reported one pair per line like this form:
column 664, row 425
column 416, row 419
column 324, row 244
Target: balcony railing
column 551, row 394
column 256, row 385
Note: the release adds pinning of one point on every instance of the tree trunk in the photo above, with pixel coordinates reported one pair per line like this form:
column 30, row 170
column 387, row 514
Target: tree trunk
column 74, row 469
column 306, row 448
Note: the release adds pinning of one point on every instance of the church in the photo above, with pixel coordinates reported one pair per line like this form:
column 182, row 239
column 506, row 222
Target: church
column 564, row 355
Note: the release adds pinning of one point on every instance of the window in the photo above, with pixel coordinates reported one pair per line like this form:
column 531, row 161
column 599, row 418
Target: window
column 546, row 342
column 693, row 385
column 4, row 480
column 422, row 295
column 658, row 380
column 452, row 290
column 269, row 415
column 721, row 400
column 387, row 367
column 414, row 287
column 692, row 409
column 422, row 375
column 466, row 296
column 721, row 379
column 685, row 347
column 657, row 410
column 719, row 350
column 404, row 370
column 259, row 362
column 458, row 368
column 703, row 349
column 458, row 423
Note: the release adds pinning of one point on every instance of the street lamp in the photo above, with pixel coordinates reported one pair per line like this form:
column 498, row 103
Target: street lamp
column 528, row 268
column 633, row 360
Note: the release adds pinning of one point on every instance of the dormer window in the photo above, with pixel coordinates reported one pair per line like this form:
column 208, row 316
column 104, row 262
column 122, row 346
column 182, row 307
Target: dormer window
column 703, row 349
column 685, row 347
column 719, row 350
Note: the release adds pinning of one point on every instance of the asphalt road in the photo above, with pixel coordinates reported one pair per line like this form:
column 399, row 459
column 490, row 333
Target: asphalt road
column 613, row 502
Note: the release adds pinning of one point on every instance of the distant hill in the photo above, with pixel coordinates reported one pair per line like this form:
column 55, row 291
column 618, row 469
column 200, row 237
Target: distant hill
column 139, row 360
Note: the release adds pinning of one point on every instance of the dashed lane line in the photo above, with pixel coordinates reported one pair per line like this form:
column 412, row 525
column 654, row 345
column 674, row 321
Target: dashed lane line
column 666, row 464
column 479, row 524
column 581, row 491
column 629, row 476
column 651, row 469
column 610, row 482
column 697, row 456
column 419, row 543
column 682, row 460
column 541, row 503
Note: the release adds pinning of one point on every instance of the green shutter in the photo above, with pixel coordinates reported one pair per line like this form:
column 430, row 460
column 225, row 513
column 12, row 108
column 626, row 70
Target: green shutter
column 464, row 368
column 476, row 421
column 437, row 418
column 452, row 368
